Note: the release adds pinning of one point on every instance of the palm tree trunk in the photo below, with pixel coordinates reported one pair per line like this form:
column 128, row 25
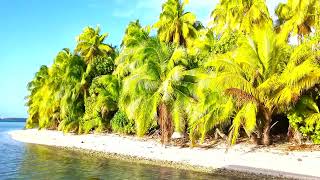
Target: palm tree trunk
column 294, row 135
column 266, row 129
column 165, row 123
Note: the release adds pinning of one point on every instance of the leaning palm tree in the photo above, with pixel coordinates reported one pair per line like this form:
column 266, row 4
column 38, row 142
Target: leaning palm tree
column 134, row 35
column 48, row 96
column 72, row 94
column 175, row 25
column 158, row 90
column 297, row 18
column 133, row 43
column 264, row 79
column 240, row 15
column 91, row 44
column 33, row 99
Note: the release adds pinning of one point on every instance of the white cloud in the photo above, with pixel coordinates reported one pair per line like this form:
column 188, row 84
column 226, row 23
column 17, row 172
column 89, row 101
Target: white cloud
column 120, row 13
column 147, row 11
column 150, row 4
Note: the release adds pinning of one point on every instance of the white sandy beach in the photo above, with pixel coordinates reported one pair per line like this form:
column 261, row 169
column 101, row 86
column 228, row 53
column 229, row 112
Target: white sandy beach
column 243, row 158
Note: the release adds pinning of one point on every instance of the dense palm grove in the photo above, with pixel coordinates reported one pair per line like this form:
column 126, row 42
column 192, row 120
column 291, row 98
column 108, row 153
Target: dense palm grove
column 233, row 76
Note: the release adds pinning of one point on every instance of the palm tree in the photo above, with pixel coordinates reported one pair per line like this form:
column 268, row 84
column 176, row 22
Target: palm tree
column 240, row 15
column 134, row 35
column 133, row 43
column 264, row 79
column 91, row 44
column 33, row 99
column 175, row 25
column 297, row 18
column 213, row 110
column 158, row 90
column 47, row 98
column 72, row 94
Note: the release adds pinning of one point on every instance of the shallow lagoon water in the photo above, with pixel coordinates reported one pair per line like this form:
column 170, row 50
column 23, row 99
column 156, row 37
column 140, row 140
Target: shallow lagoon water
column 29, row 161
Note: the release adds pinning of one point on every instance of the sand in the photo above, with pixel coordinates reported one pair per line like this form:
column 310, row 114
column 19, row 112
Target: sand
column 239, row 158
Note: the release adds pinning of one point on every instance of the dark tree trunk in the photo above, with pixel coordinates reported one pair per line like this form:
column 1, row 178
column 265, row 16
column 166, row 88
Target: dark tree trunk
column 266, row 128
column 220, row 134
column 165, row 123
column 254, row 139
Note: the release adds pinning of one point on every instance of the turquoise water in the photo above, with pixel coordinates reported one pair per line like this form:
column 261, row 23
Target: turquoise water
column 27, row 161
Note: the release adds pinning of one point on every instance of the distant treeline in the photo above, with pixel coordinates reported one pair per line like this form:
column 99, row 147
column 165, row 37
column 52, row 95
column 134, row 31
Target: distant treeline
column 13, row 120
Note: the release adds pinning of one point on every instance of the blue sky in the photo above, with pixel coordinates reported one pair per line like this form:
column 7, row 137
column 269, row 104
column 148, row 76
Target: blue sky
column 32, row 32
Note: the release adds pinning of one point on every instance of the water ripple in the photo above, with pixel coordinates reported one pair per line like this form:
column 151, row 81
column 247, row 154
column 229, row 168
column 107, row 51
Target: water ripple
column 27, row 161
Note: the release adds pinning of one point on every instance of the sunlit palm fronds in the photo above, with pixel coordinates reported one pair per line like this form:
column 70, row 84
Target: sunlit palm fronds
column 91, row 44
column 175, row 25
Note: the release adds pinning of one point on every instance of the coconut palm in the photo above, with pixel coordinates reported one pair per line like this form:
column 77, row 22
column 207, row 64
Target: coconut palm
column 90, row 44
column 158, row 90
column 72, row 101
column 92, row 48
column 48, row 97
column 134, row 35
column 133, row 43
column 33, row 99
column 175, row 25
column 213, row 110
column 240, row 15
column 297, row 18
column 263, row 79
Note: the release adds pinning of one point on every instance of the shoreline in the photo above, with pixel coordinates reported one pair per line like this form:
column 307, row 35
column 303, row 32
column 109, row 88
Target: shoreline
column 243, row 159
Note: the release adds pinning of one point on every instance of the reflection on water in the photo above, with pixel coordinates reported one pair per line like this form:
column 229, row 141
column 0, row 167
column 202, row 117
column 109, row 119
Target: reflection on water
column 28, row 161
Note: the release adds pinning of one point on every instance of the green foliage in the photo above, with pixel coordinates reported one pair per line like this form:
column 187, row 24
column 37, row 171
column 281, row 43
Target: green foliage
column 57, row 98
column 134, row 35
column 101, row 105
column 121, row 124
column 99, row 66
column 209, row 43
column 162, row 78
column 91, row 44
column 235, row 74
column 305, row 117
column 135, row 40
column 297, row 17
column 175, row 25
column 34, row 88
column 243, row 15
column 213, row 110
column 262, row 77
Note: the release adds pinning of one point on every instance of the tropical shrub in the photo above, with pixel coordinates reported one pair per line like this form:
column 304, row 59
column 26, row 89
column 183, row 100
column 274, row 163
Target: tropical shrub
column 305, row 118
column 101, row 104
column 99, row 66
column 120, row 123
